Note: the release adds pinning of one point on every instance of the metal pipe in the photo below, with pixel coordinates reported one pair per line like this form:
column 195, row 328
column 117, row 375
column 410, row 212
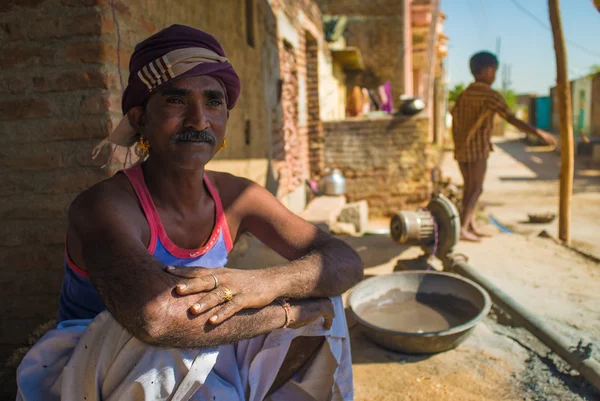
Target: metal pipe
column 587, row 367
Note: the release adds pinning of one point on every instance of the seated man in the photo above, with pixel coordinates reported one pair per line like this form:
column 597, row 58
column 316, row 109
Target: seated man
column 148, row 245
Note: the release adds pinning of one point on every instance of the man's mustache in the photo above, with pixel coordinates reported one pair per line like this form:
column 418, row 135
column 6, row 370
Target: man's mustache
column 190, row 134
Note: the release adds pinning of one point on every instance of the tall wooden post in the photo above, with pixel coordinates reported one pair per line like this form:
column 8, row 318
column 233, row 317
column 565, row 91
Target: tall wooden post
column 429, row 79
column 563, row 92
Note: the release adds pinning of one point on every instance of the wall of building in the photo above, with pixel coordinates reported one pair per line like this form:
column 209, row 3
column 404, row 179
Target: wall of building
column 297, row 146
column 54, row 97
column 386, row 161
column 60, row 95
column 377, row 28
column 591, row 105
column 595, row 106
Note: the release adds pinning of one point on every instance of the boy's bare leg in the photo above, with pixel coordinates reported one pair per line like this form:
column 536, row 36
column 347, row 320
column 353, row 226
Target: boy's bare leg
column 473, row 186
column 480, row 168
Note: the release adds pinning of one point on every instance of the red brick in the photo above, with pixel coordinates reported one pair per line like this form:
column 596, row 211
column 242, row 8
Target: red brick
column 93, row 23
column 100, row 104
column 7, row 5
column 33, row 132
column 11, row 31
column 13, row 85
column 147, row 26
column 84, row 3
column 73, row 80
column 84, row 129
column 91, row 52
column 40, row 84
column 12, row 56
column 35, row 256
column 24, row 161
column 33, row 206
column 49, row 182
column 15, row 233
column 23, row 109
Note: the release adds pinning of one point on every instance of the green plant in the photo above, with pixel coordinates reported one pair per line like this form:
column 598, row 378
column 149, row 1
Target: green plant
column 455, row 92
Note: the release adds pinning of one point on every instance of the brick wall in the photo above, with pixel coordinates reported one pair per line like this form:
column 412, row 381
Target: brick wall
column 54, row 96
column 377, row 29
column 60, row 95
column 300, row 34
column 386, row 161
column 315, row 127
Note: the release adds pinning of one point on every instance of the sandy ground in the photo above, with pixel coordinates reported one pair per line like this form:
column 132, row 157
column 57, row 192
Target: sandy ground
column 497, row 362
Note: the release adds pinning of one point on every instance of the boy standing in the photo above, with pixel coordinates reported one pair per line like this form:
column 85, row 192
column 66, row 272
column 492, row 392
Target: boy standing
column 472, row 125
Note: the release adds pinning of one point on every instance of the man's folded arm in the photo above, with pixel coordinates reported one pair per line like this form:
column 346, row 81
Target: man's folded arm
column 135, row 287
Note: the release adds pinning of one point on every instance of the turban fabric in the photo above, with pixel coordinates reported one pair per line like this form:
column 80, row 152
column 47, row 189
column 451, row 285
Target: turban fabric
column 175, row 52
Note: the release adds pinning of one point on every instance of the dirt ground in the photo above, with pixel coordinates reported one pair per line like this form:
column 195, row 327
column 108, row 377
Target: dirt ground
column 497, row 362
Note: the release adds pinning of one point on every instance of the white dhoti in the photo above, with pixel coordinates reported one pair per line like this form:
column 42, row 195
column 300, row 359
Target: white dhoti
column 98, row 359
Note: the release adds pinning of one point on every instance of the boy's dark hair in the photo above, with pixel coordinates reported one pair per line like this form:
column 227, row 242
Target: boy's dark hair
column 481, row 60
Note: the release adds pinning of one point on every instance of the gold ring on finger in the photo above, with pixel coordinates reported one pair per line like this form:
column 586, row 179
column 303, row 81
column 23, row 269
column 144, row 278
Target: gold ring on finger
column 216, row 281
column 227, row 294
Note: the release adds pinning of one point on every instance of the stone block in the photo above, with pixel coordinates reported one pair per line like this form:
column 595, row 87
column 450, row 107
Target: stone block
column 357, row 214
column 340, row 228
column 324, row 209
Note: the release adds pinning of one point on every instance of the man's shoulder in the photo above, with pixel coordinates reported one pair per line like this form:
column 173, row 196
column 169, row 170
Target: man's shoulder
column 228, row 186
column 232, row 187
column 102, row 198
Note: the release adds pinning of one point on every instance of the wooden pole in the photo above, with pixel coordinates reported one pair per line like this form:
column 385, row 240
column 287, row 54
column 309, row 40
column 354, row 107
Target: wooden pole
column 565, row 111
column 429, row 81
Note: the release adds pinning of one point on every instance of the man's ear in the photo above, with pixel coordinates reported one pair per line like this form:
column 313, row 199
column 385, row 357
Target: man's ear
column 137, row 118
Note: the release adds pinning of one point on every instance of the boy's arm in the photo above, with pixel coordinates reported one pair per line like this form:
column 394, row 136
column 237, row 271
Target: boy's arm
column 498, row 105
column 523, row 126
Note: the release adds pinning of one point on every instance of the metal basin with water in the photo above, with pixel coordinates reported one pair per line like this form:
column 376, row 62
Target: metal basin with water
column 418, row 312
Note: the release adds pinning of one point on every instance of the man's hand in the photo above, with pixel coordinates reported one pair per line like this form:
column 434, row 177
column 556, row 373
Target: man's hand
column 249, row 288
column 547, row 137
column 306, row 311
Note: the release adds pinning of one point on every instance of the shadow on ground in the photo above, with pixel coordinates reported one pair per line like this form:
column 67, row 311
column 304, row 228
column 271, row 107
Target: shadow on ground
column 545, row 164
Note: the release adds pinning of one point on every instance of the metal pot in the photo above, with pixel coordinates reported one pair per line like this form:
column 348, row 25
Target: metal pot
column 421, row 283
column 333, row 183
column 411, row 106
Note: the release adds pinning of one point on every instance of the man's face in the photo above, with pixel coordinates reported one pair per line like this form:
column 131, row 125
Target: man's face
column 185, row 121
column 488, row 74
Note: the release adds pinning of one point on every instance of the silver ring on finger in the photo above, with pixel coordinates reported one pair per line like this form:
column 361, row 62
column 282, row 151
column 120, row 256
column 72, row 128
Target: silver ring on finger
column 216, row 281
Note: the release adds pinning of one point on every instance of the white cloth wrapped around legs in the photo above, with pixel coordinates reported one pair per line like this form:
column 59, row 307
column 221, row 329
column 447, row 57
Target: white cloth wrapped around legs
column 99, row 360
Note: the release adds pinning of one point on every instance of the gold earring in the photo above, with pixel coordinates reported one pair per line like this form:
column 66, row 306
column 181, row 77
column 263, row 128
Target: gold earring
column 144, row 145
column 224, row 145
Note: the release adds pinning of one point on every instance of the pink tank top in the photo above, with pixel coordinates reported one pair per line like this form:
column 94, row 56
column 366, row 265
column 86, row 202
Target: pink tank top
column 80, row 300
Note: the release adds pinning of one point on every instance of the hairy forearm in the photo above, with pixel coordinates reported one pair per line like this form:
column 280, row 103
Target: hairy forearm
column 194, row 331
column 328, row 270
column 140, row 296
